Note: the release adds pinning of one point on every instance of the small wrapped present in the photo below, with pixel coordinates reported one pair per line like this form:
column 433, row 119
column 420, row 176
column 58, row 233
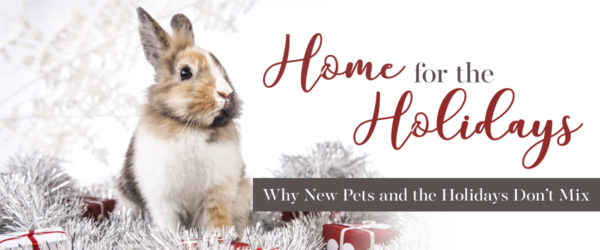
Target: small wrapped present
column 46, row 238
column 240, row 245
column 97, row 208
column 290, row 215
column 357, row 236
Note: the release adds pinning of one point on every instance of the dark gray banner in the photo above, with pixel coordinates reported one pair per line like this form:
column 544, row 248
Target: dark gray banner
column 427, row 194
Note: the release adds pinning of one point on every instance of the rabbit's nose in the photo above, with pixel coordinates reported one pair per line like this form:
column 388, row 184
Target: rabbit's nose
column 223, row 94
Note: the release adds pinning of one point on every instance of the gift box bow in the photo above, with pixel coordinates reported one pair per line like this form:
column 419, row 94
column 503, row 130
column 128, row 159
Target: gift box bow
column 364, row 226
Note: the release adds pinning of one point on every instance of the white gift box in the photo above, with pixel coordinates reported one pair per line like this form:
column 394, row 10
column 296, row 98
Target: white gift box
column 46, row 238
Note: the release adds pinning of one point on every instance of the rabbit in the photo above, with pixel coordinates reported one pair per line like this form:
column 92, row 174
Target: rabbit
column 184, row 167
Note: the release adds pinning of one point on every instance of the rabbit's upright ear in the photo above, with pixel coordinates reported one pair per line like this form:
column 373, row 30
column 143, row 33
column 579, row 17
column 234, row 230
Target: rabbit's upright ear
column 182, row 29
column 154, row 39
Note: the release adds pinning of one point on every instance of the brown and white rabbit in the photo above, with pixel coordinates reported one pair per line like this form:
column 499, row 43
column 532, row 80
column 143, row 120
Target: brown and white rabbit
column 184, row 166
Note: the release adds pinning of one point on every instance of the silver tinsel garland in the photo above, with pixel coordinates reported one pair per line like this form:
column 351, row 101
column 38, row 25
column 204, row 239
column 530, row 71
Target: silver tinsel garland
column 36, row 194
column 326, row 160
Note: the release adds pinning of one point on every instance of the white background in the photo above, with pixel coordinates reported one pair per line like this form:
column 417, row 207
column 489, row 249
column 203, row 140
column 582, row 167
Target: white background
column 546, row 51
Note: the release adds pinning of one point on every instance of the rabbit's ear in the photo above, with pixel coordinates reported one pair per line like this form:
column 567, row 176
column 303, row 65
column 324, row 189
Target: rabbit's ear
column 182, row 29
column 154, row 39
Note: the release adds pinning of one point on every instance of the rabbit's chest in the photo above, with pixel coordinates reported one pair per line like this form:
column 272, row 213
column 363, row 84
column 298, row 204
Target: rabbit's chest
column 188, row 162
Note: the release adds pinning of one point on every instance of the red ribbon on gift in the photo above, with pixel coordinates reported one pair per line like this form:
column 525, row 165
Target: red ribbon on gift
column 30, row 234
column 101, row 215
column 365, row 226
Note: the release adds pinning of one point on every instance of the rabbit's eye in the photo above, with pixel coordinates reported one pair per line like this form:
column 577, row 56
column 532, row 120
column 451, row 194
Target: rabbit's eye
column 186, row 73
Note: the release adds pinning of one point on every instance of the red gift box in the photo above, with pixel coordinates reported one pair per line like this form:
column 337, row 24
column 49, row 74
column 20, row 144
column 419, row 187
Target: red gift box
column 97, row 208
column 357, row 236
column 289, row 215
column 240, row 246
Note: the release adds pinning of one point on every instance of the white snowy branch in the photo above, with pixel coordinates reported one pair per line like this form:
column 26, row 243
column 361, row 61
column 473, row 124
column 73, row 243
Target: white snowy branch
column 79, row 72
